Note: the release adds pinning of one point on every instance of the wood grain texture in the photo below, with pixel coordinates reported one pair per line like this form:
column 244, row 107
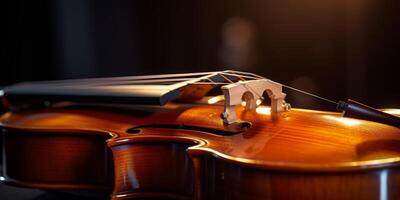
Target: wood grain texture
column 221, row 180
column 302, row 153
column 57, row 160
column 153, row 166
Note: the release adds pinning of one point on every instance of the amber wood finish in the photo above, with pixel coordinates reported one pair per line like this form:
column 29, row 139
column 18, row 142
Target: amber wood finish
column 221, row 180
column 302, row 154
column 57, row 159
column 145, row 167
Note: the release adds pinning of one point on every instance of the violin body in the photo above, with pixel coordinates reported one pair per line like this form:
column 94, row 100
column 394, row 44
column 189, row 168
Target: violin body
column 302, row 154
column 138, row 137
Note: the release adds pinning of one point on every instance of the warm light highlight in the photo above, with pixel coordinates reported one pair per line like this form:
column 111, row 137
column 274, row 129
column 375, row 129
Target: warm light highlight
column 258, row 102
column 215, row 99
column 391, row 111
column 263, row 110
column 345, row 121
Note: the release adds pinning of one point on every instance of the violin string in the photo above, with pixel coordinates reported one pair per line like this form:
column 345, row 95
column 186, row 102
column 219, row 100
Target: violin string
column 239, row 76
column 308, row 93
column 313, row 95
column 244, row 73
column 136, row 82
column 283, row 85
column 133, row 80
column 243, row 76
column 292, row 88
column 209, row 79
column 166, row 80
column 123, row 78
column 224, row 77
column 208, row 83
column 140, row 79
column 174, row 78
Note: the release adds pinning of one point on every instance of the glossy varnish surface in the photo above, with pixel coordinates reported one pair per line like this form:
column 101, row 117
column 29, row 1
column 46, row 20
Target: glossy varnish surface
column 311, row 149
column 299, row 138
column 145, row 167
column 57, row 159
column 220, row 180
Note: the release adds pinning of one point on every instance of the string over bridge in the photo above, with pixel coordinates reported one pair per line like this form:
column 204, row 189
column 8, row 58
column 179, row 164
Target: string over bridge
column 248, row 91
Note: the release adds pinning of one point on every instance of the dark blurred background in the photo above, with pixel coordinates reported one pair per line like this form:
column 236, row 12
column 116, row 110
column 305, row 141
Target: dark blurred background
column 336, row 48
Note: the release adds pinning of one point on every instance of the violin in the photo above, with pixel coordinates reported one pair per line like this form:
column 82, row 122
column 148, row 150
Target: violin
column 195, row 136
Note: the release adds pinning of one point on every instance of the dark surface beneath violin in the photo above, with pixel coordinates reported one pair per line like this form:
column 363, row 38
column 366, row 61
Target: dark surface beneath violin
column 15, row 193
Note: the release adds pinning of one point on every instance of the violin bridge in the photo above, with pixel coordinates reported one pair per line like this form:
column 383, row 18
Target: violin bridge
column 250, row 91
